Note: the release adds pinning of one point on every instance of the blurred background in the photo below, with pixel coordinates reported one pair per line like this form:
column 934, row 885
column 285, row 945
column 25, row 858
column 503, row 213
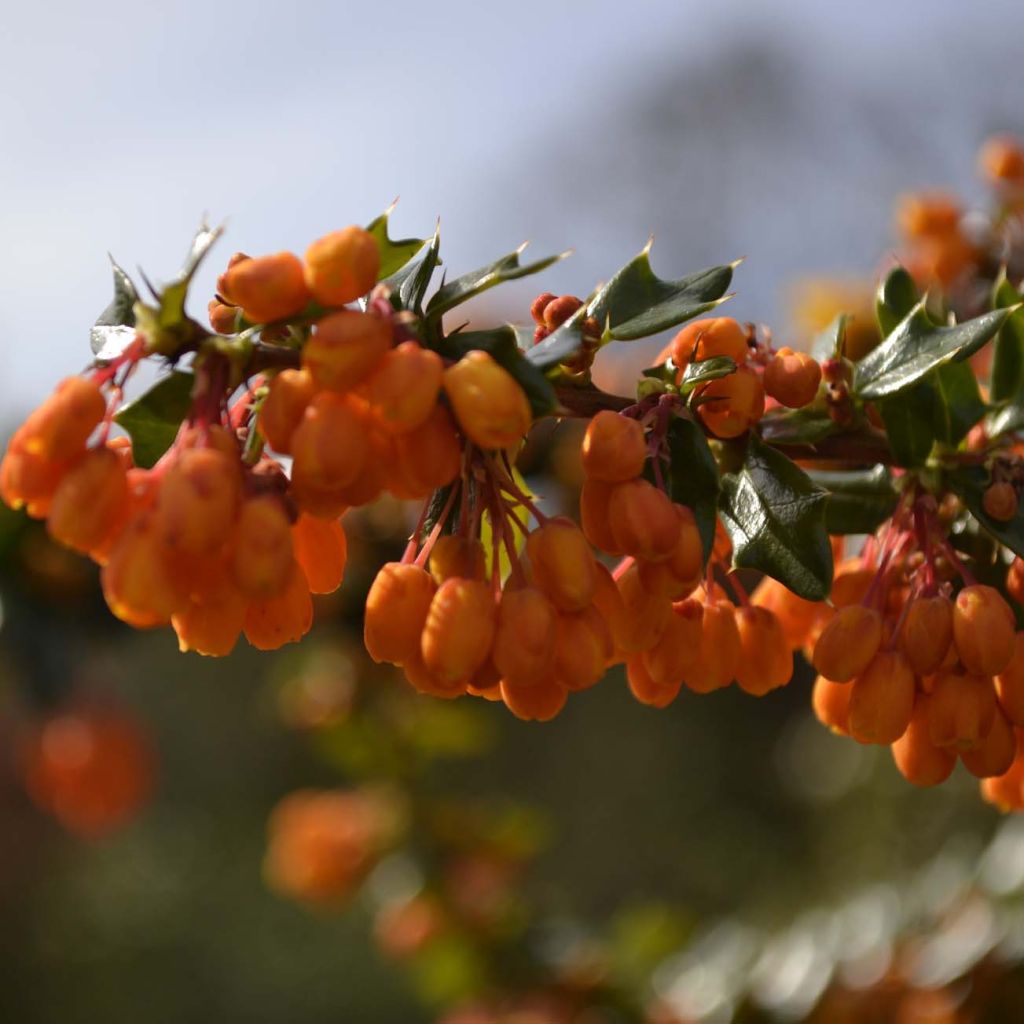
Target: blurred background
column 782, row 134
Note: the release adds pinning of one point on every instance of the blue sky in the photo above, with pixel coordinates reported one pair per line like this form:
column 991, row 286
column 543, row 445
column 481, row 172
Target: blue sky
column 124, row 123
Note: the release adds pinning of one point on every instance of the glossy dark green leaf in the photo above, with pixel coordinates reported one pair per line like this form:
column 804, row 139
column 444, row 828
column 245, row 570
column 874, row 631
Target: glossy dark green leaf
column 153, row 419
column 916, row 347
column 394, row 253
column 896, row 297
column 775, row 515
column 1008, row 358
column 970, row 484
column 693, row 476
column 636, row 303
column 957, row 403
column 561, row 344
column 908, row 425
column 409, row 285
column 114, row 329
column 858, row 501
column 501, row 344
column 797, row 426
column 463, row 288
column 706, row 370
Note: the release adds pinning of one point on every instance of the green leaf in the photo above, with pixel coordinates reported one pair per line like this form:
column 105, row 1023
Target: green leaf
column 957, row 402
column 896, row 297
column 831, row 342
column 394, row 253
column 1008, row 358
column 797, row 426
column 501, row 344
column 636, row 303
column 693, row 476
column 908, row 426
column 153, row 419
column 970, row 484
column 561, row 344
column 858, row 501
column 507, row 268
column 917, row 346
column 775, row 516
column 114, row 329
column 410, row 284
column 705, row 370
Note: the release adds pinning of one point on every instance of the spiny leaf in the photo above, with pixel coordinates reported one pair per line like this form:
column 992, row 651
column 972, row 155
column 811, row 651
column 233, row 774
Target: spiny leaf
column 394, row 253
column 1008, row 358
column 693, row 477
column 830, row 343
column 507, row 268
column 705, row 370
column 915, row 347
column 409, row 285
column 501, row 344
column 797, row 426
column 636, row 303
column 895, row 299
column 908, row 426
column 153, row 419
column 775, row 516
column 858, row 501
column 114, row 329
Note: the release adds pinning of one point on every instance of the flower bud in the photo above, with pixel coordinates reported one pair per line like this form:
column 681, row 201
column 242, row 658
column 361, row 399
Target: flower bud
column 490, row 406
column 212, row 624
column 223, row 318
column 281, row 411
column 137, row 583
column 263, row 559
column 1015, row 580
column 961, row 709
column 705, row 339
column 403, row 389
column 608, row 601
column 882, row 699
column 678, row 647
column 643, row 520
column 396, row 612
column 346, row 347
column 983, row 630
column 87, row 503
column 719, row 653
column 583, row 648
column 731, row 405
column 329, row 450
column 848, row 643
column 918, row 759
column 614, row 448
column 765, row 661
column 539, row 702
column 645, row 614
column 459, row 629
column 831, row 704
column 797, row 616
column 428, row 457
column 995, row 752
column 268, row 288
column 927, row 633
column 321, row 549
column 792, row 378
column 1001, row 161
column 198, row 500
column 524, row 638
column 928, row 215
column 58, row 429
column 282, row 619
column 1000, row 501
column 1006, row 791
column 562, row 564
column 645, row 689
column 342, row 266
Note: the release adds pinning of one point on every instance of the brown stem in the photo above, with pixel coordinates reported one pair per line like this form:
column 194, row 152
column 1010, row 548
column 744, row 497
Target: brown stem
column 586, row 400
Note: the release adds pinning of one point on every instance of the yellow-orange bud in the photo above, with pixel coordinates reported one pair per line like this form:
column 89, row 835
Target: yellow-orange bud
column 1010, row 683
column 983, row 630
column 927, row 633
column 583, row 648
column 961, row 710
column 539, row 702
column 792, row 378
column 848, row 643
column 705, row 339
column 731, row 405
column 719, row 653
column 643, row 520
column 456, row 556
column 524, row 638
column 459, row 629
column 562, row 564
column 87, row 503
column 198, row 500
column 994, row 752
column 282, row 409
column 882, row 699
column 342, row 266
column 282, row 619
column 678, row 647
column 321, row 549
column 263, row 557
column 489, row 404
column 765, row 661
column 396, row 612
column 346, row 347
column 918, row 759
column 268, row 288
column 644, row 687
column 614, row 448
column 403, row 389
